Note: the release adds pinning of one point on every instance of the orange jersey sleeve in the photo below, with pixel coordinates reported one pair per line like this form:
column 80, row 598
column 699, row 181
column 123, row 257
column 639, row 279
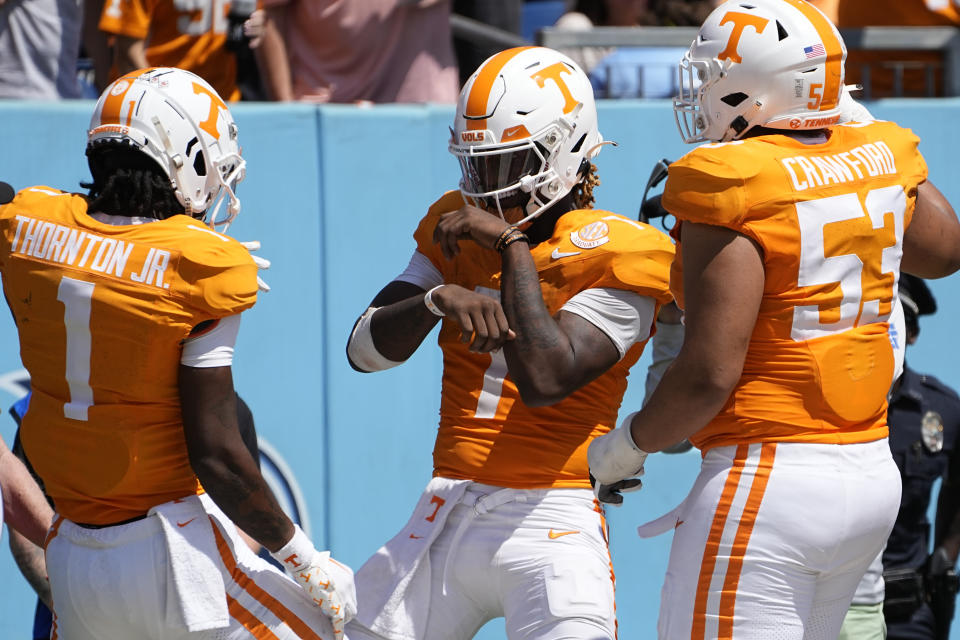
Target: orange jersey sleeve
column 101, row 313
column 829, row 219
column 486, row 433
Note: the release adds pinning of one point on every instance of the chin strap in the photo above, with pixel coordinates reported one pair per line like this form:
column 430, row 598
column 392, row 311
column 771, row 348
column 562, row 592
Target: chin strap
column 593, row 151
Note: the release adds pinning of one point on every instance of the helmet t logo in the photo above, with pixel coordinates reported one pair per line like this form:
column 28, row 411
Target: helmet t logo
column 553, row 73
column 210, row 124
column 740, row 22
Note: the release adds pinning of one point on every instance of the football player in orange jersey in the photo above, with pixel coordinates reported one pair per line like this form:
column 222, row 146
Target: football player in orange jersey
column 127, row 303
column 545, row 305
column 794, row 229
column 189, row 34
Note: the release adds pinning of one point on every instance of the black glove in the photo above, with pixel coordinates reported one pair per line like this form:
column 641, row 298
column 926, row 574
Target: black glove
column 610, row 493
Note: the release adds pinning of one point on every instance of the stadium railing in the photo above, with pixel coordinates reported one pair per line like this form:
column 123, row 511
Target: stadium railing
column 938, row 64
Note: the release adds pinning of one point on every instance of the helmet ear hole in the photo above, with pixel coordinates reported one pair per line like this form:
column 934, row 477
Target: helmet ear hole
column 199, row 164
column 734, row 99
column 576, row 147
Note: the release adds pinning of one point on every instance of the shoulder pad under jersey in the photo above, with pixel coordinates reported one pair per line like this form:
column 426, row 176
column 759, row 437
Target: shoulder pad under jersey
column 220, row 272
column 708, row 184
column 637, row 256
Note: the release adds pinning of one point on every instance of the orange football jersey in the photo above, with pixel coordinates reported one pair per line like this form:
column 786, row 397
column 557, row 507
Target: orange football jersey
column 189, row 34
column 486, row 432
column 102, row 311
column 829, row 219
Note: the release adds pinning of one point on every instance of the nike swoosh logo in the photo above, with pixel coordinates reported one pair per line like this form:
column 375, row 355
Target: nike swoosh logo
column 183, row 524
column 553, row 535
column 415, row 537
column 557, row 254
column 679, row 522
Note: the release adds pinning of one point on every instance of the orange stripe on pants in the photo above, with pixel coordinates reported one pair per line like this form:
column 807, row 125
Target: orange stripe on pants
column 256, row 591
column 728, row 596
column 256, row 628
column 709, row 562
column 52, row 532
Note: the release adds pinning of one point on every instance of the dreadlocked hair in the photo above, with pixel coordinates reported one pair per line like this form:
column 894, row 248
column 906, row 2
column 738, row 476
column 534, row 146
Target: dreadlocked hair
column 582, row 192
column 127, row 182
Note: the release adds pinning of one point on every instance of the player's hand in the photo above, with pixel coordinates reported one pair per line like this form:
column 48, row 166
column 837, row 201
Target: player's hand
column 262, row 263
column 615, row 460
column 480, row 318
column 328, row 582
column 467, row 223
column 330, row 585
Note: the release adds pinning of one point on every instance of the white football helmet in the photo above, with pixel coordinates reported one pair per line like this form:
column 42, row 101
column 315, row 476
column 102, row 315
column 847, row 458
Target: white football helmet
column 525, row 130
column 771, row 63
column 177, row 119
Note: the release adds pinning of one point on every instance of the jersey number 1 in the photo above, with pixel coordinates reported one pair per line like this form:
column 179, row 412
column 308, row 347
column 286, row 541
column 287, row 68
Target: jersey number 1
column 493, row 377
column 76, row 296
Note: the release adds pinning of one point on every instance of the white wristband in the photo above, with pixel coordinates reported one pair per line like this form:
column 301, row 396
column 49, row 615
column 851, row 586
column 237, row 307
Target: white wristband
column 429, row 303
column 297, row 552
column 625, row 428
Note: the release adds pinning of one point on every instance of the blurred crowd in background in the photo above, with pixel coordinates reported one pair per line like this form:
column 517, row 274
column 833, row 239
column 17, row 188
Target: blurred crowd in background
column 407, row 51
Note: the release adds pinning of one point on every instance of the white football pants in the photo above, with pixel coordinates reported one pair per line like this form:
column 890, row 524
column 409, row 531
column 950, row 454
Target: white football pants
column 537, row 557
column 116, row 582
column 773, row 539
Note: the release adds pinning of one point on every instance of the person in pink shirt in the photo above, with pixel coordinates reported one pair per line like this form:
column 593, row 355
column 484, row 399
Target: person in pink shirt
column 348, row 51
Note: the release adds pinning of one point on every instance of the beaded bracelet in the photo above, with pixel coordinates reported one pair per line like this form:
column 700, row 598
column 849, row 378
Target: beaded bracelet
column 498, row 244
column 519, row 236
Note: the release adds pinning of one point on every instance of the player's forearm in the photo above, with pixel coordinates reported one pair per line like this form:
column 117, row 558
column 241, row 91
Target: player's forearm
column 690, row 394
column 32, row 564
column 540, row 357
column 245, row 498
column 222, row 461
column 399, row 329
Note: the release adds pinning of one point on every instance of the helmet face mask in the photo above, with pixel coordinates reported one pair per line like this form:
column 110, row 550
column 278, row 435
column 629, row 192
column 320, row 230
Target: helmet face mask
column 769, row 63
column 524, row 127
column 175, row 118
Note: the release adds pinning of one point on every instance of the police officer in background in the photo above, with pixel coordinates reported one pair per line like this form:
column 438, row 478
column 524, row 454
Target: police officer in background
column 924, row 420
